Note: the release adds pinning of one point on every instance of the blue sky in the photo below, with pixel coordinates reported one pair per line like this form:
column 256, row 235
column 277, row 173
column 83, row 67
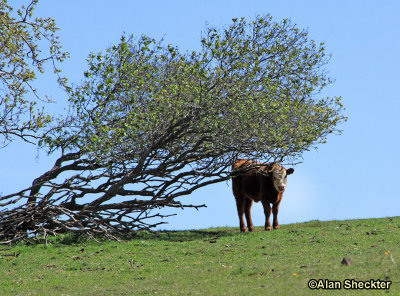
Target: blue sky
column 353, row 176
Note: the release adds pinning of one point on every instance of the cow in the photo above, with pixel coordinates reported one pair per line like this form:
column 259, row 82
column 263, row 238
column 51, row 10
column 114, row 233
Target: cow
column 255, row 181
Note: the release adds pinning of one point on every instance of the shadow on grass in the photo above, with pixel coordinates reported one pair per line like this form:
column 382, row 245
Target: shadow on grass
column 174, row 236
column 183, row 235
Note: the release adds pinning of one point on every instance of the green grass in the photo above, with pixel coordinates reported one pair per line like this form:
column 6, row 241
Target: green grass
column 219, row 261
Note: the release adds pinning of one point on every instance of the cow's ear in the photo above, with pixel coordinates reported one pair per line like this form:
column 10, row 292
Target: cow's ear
column 289, row 171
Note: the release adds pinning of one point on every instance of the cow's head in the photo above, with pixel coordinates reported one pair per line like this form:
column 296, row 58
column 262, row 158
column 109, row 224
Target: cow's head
column 279, row 176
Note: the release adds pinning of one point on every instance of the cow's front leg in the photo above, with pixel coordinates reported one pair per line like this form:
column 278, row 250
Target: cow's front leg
column 275, row 210
column 267, row 212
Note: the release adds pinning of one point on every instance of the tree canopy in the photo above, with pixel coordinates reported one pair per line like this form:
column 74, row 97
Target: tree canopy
column 151, row 123
column 27, row 44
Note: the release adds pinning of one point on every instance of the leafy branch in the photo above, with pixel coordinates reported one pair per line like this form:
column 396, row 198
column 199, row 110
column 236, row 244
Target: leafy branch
column 150, row 125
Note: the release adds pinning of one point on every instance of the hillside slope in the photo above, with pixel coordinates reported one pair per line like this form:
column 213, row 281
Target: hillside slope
column 220, row 261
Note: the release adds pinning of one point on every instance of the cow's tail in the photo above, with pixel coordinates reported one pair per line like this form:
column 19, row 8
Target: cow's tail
column 236, row 183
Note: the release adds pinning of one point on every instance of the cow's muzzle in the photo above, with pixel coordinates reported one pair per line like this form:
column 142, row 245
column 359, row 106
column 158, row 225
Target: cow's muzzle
column 281, row 188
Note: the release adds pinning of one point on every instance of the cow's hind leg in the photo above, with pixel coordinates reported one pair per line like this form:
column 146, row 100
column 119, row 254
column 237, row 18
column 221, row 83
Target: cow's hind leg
column 247, row 211
column 240, row 204
column 240, row 201
column 267, row 212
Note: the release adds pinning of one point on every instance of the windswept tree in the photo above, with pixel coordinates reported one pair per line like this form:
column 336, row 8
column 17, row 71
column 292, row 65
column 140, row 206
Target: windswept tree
column 150, row 124
column 27, row 44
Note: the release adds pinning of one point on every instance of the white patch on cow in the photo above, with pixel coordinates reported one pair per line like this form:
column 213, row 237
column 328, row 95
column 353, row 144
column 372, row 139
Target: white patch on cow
column 280, row 179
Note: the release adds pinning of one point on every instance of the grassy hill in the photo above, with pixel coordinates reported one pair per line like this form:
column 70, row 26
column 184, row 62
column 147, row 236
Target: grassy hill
column 219, row 261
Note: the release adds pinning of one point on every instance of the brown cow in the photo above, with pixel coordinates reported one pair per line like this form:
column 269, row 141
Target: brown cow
column 260, row 182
